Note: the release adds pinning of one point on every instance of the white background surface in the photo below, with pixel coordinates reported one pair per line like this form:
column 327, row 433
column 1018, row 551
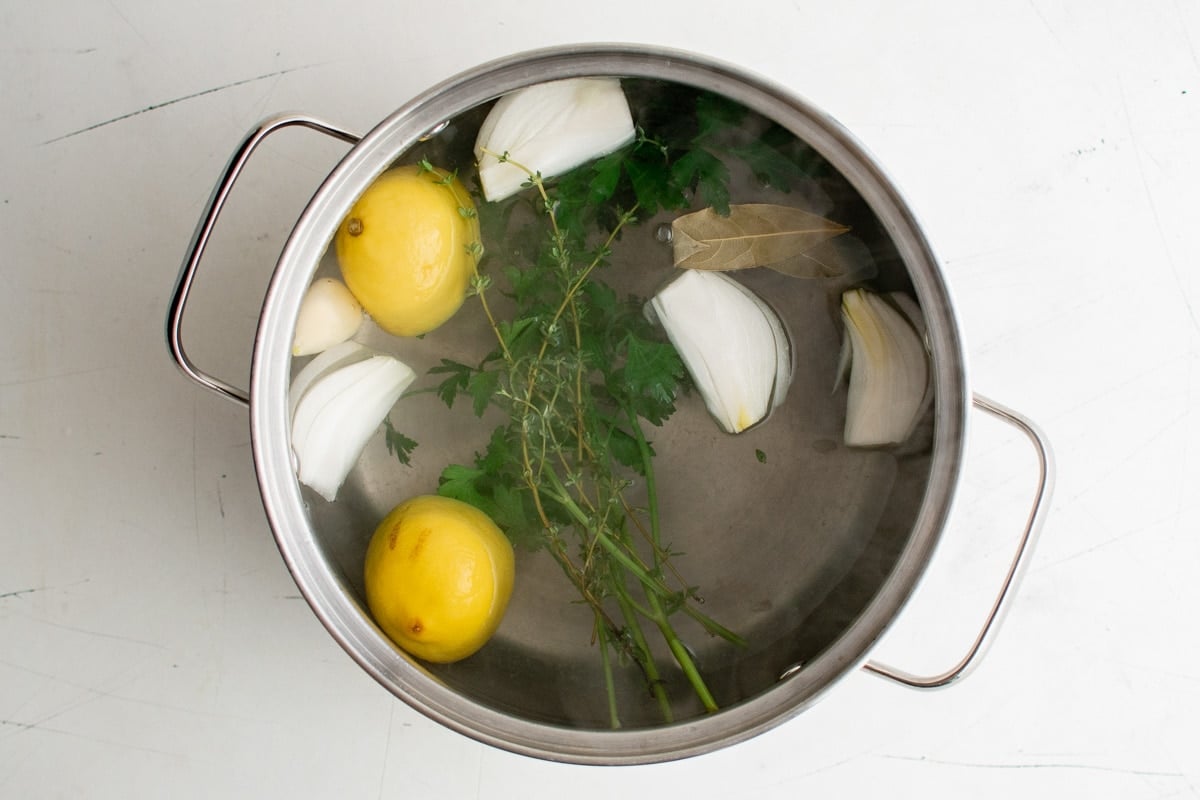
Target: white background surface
column 152, row 643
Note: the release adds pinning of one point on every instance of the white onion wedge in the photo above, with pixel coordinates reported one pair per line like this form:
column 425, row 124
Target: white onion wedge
column 337, row 356
column 889, row 371
column 783, row 347
column 338, row 412
column 550, row 128
column 732, row 342
column 329, row 314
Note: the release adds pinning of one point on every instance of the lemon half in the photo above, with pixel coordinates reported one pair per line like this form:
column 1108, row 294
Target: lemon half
column 408, row 247
column 439, row 574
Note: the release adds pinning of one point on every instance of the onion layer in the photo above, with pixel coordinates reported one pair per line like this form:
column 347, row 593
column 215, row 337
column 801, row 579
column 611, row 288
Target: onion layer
column 889, row 372
column 337, row 406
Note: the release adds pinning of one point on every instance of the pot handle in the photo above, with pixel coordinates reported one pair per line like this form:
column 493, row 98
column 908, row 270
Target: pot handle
column 204, row 228
column 1033, row 524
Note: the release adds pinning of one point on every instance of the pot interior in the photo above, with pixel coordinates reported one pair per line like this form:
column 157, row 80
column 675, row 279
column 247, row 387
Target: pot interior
column 787, row 533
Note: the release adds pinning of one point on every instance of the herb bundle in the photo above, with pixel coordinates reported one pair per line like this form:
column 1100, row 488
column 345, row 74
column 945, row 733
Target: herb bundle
column 579, row 373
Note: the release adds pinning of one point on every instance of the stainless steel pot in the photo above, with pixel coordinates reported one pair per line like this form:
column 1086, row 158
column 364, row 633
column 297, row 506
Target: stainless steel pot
column 881, row 516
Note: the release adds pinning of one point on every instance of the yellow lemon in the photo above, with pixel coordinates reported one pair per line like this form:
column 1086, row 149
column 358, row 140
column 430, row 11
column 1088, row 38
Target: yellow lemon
column 438, row 574
column 408, row 247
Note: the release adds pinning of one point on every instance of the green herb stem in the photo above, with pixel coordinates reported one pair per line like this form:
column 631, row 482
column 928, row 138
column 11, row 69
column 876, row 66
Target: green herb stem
column 621, row 554
column 655, row 590
column 682, row 656
column 642, row 653
column 610, row 689
column 647, row 457
column 639, row 436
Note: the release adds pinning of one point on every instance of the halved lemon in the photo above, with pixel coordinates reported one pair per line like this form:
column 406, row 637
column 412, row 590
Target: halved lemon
column 439, row 574
column 408, row 248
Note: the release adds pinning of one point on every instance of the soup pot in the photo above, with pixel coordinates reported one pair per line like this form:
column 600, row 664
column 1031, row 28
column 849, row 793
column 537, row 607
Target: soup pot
column 840, row 536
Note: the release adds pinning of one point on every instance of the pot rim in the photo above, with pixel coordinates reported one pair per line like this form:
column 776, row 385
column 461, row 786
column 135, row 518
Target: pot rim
column 327, row 592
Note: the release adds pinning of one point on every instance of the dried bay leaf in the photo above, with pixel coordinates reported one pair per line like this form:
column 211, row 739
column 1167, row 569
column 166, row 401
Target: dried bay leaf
column 753, row 235
column 844, row 257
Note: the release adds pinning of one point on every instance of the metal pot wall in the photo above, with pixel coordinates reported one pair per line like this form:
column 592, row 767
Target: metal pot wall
column 881, row 514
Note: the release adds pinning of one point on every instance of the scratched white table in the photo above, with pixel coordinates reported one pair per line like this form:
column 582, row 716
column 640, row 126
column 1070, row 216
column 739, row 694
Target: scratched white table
column 152, row 643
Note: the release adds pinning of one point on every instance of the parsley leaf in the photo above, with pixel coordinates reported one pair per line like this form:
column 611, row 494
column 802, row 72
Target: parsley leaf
column 397, row 443
column 716, row 115
column 489, row 485
column 709, row 174
column 482, row 387
column 458, row 381
column 651, row 376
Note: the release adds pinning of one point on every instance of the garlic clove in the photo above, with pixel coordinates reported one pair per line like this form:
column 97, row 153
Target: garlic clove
column 329, row 314
column 732, row 343
column 889, row 371
column 337, row 414
column 550, row 128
